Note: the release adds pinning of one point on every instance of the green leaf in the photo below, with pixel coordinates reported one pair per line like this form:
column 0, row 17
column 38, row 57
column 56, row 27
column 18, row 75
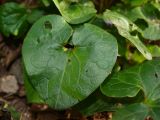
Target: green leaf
column 152, row 32
column 126, row 28
column 141, row 77
column 137, row 111
column 32, row 95
column 128, row 83
column 14, row 113
column 46, row 2
column 76, row 12
column 99, row 105
column 66, row 70
column 96, row 102
column 135, row 2
column 12, row 18
column 138, row 57
column 151, row 15
column 135, row 56
column 34, row 15
column 155, row 50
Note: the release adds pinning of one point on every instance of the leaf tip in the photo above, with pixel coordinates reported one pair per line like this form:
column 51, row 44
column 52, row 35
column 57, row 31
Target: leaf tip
column 148, row 56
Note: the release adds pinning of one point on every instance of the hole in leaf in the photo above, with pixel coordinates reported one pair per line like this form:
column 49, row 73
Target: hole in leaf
column 69, row 60
column 156, row 75
column 132, row 49
column 48, row 25
column 69, row 46
column 141, row 24
column 134, row 33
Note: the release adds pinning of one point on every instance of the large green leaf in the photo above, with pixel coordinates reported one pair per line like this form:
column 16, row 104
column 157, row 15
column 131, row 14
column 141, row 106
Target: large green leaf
column 151, row 15
column 66, row 70
column 12, row 18
column 126, row 28
column 128, row 83
column 75, row 11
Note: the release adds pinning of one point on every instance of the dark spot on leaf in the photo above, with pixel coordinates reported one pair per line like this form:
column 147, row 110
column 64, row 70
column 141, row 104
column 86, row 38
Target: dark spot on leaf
column 48, row 25
column 69, row 60
column 156, row 75
column 134, row 33
column 130, row 25
column 38, row 40
column 86, row 71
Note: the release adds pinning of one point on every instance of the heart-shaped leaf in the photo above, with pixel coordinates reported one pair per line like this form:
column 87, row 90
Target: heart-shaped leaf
column 128, row 83
column 66, row 70
column 75, row 11
column 125, row 28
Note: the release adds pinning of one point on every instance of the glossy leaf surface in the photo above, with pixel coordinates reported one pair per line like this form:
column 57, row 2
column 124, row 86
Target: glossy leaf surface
column 66, row 70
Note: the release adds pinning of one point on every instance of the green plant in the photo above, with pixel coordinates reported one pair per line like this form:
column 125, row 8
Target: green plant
column 95, row 62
